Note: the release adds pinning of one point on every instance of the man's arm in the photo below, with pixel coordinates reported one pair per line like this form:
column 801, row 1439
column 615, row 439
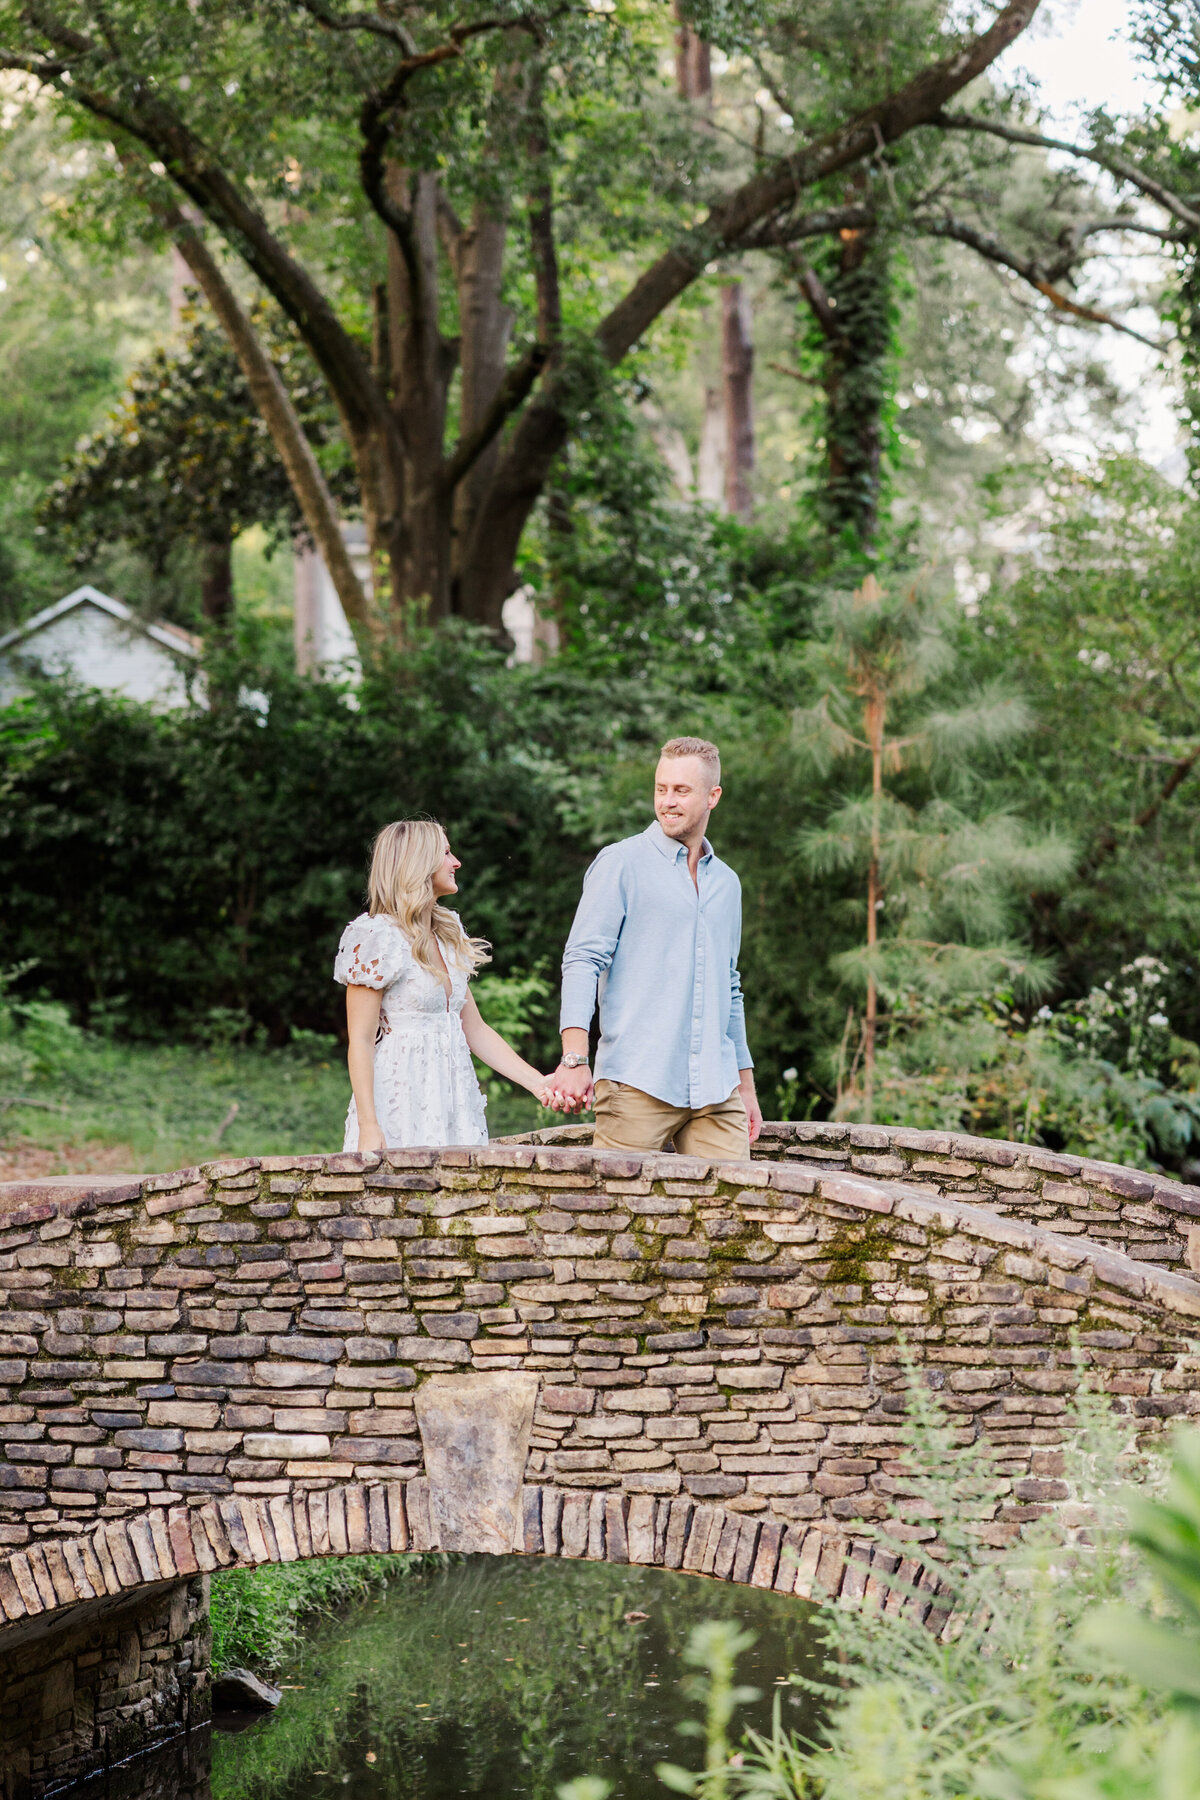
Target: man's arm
column 595, row 933
column 737, row 1031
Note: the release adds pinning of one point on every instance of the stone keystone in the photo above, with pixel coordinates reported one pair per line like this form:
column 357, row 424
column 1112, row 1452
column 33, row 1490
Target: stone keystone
column 475, row 1433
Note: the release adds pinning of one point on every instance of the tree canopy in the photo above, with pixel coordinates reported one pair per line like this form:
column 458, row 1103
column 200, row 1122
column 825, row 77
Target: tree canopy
column 473, row 217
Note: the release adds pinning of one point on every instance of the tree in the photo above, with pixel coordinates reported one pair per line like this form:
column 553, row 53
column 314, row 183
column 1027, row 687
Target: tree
column 942, row 879
column 986, row 183
column 416, row 254
column 1102, row 633
column 184, row 455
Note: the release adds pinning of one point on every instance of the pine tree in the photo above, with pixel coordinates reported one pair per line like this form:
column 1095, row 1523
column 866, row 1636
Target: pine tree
column 940, row 875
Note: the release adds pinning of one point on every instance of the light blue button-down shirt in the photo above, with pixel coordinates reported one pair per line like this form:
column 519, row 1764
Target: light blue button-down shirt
column 662, row 951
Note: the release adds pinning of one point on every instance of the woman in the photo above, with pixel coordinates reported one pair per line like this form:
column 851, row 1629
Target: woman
column 405, row 965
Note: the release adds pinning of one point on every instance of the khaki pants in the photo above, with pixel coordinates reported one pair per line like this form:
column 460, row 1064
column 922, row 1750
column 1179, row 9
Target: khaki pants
column 628, row 1119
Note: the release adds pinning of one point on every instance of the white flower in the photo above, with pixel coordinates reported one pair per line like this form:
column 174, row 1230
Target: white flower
column 1158, row 1018
column 793, row 1074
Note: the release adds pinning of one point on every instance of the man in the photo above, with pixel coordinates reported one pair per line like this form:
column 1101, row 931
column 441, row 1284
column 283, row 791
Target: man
column 657, row 932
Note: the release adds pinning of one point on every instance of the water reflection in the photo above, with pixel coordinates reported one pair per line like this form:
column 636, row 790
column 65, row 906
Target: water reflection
column 494, row 1679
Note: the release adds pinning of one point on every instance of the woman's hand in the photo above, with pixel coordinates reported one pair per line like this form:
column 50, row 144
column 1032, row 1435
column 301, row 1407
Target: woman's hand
column 370, row 1137
column 553, row 1098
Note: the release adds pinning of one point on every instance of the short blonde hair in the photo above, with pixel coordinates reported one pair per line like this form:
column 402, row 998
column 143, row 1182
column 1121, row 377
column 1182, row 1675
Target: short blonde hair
column 405, row 857
column 708, row 754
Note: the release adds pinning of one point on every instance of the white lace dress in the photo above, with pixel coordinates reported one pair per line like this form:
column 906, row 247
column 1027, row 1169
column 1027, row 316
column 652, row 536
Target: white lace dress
column 425, row 1087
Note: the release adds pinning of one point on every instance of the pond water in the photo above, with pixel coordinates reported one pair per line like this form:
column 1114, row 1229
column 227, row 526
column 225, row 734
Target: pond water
column 492, row 1678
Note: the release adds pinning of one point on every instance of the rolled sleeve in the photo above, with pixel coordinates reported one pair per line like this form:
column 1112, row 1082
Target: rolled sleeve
column 599, row 919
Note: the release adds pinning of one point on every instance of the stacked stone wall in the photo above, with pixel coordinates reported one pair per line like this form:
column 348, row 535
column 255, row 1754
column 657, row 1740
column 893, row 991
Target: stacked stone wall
column 728, row 1335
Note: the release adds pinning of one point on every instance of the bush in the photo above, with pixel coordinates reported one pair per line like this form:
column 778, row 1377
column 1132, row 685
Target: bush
column 208, row 859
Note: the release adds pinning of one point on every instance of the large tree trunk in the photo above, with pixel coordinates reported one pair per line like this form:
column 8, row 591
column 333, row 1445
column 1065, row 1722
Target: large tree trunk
column 275, row 406
column 417, row 510
column 737, row 367
column 485, row 324
column 693, row 78
column 856, row 374
column 216, row 585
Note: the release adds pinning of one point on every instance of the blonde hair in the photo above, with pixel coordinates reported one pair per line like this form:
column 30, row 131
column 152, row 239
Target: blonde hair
column 708, row 754
column 405, row 857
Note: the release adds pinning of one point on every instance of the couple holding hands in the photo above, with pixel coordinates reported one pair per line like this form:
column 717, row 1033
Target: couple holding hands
column 655, row 939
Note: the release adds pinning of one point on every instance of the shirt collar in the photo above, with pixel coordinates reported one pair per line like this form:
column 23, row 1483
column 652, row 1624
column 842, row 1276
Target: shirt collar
column 669, row 847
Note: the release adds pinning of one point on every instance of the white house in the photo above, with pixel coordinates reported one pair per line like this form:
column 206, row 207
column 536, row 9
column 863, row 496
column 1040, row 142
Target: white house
column 99, row 642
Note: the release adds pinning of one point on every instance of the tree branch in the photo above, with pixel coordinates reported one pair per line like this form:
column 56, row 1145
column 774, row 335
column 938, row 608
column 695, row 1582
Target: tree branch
column 1108, row 840
column 196, row 171
column 795, row 374
column 1179, row 773
column 918, row 102
column 1105, row 159
column 776, row 234
column 1029, row 271
column 376, row 123
column 374, row 23
column 275, row 405
column 49, row 72
column 817, row 295
column 513, row 390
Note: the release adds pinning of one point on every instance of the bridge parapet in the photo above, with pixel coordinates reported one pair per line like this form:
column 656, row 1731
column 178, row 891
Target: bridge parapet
column 1148, row 1216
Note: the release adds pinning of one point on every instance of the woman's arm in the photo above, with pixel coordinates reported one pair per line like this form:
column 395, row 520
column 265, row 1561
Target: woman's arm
column 362, row 1024
column 491, row 1048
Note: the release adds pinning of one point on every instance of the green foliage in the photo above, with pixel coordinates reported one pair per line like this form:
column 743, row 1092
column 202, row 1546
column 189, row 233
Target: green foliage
column 256, row 1614
column 941, row 881
column 185, row 454
column 1103, row 1076
column 202, row 859
column 37, row 1037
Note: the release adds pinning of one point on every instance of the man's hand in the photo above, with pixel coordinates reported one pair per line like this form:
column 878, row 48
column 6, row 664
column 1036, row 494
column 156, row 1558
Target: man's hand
column 750, row 1102
column 575, row 1086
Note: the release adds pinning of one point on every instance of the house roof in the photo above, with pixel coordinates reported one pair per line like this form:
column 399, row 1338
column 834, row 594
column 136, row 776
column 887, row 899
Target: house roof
column 171, row 637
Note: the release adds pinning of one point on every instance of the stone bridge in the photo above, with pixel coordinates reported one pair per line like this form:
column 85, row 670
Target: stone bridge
column 531, row 1347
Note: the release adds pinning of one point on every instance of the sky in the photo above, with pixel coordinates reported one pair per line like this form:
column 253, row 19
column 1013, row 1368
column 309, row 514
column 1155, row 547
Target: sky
column 1075, row 50
column 1078, row 54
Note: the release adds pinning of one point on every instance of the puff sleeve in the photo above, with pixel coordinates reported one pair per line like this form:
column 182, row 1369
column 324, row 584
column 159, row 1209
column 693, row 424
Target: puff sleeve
column 373, row 953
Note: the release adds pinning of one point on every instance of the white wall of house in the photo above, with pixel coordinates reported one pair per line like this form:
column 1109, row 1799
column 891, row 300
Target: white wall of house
column 94, row 640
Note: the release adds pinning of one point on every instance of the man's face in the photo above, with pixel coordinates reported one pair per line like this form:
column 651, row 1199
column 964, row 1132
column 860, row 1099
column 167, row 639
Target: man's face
column 683, row 798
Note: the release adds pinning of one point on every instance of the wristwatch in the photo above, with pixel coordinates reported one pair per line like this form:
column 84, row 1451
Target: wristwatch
column 572, row 1060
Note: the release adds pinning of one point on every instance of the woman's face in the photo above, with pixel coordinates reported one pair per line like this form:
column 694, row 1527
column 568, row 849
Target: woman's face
column 443, row 879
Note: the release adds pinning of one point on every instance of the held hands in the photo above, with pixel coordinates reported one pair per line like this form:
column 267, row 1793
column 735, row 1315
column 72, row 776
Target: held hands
column 568, row 1090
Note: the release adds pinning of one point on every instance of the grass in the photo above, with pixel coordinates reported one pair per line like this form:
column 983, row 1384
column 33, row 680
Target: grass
column 256, row 1614
column 104, row 1105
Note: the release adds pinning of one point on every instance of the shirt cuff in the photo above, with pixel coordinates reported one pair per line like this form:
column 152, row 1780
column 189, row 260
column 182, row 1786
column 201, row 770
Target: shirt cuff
column 578, row 1002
